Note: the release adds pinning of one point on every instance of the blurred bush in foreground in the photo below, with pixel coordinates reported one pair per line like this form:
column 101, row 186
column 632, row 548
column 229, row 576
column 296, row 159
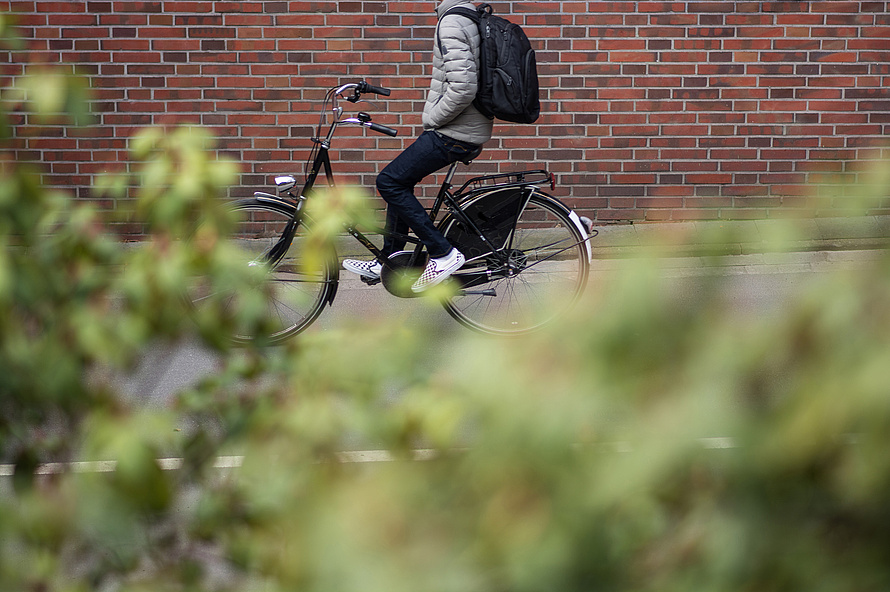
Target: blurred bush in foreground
column 652, row 442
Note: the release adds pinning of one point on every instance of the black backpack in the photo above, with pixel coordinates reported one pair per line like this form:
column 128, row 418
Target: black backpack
column 508, row 74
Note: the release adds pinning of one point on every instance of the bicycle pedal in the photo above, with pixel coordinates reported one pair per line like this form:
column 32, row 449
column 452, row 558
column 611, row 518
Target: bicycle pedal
column 370, row 281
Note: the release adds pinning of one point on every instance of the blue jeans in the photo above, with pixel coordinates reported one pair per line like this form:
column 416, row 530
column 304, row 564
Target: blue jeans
column 429, row 153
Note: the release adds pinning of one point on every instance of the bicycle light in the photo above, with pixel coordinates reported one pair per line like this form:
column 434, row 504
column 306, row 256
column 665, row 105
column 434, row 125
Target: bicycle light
column 284, row 183
column 552, row 182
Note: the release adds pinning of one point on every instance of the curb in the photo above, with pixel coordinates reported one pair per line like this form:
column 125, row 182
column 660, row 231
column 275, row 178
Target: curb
column 748, row 237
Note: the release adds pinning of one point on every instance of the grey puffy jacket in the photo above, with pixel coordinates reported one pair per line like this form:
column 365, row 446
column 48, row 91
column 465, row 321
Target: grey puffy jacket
column 449, row 105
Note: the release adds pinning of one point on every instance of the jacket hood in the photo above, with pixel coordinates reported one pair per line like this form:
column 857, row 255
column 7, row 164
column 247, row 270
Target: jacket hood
column 446, row 5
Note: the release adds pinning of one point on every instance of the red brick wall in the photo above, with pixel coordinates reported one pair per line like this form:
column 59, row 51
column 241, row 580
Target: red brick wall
column 652, row 110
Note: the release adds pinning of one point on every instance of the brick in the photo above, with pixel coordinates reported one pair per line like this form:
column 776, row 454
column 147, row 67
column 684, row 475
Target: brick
column 126, row 6
column 210, row 32
column 161, row 33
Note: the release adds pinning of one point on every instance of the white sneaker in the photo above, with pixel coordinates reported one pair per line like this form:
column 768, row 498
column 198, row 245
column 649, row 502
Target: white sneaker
column 369, row 269
column 438, row 270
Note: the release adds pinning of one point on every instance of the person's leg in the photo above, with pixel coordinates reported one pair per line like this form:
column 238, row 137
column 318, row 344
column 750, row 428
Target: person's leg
column 394, row 224
column 396, row 183
column 404, row 212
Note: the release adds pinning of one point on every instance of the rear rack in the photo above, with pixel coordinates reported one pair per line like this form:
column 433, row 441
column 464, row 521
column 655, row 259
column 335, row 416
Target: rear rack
column 520, row 179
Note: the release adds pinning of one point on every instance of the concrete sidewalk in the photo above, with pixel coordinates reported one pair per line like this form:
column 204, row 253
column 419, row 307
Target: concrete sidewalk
column 752, row 264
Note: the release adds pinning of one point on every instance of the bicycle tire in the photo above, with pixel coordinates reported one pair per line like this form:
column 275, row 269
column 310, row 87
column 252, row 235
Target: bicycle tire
column 552, row 267
column 296, row 284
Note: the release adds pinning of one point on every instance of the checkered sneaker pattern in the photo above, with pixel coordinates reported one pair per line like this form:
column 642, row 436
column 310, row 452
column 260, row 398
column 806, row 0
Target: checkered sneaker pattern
column 438, row 270
column 369, row 269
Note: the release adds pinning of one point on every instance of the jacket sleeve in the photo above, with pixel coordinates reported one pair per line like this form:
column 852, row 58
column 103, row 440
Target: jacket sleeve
column 459, row 68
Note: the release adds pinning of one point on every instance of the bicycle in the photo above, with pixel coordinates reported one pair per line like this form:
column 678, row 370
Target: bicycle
column 528, row 255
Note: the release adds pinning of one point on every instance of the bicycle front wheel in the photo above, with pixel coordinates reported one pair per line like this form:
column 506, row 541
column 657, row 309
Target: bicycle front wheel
column 546, row 274
column 286, row 287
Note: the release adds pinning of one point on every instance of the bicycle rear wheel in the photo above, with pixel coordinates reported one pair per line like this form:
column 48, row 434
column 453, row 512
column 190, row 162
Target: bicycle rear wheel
column 547, row 272
column 288, row 286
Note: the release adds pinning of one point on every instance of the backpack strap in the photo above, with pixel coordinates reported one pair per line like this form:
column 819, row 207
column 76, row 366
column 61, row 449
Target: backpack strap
column 473, row 15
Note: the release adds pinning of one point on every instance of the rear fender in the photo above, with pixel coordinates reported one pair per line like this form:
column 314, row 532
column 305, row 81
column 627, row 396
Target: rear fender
column 579, row 224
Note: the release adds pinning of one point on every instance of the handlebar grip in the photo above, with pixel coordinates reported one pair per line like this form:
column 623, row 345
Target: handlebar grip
column 377, row 90
column 382, row 129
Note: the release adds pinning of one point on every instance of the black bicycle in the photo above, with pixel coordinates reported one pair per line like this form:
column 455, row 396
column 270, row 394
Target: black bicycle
column 527, row 254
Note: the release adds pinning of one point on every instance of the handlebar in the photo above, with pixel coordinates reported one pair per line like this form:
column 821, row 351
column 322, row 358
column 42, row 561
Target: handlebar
column 332, row 107
column 364, row 119
column 355, row 90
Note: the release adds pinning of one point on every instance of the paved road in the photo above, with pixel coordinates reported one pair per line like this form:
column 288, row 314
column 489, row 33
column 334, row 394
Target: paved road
column 753, row 284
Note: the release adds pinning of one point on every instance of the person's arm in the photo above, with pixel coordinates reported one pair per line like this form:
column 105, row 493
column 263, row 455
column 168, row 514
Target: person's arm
column 459, row 66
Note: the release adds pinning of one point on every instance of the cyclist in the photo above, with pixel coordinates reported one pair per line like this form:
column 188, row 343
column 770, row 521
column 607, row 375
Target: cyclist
column 453, row 130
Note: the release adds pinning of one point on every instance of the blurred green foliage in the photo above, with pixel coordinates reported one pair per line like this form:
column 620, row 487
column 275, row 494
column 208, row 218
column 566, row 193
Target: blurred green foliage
column 651, row 442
